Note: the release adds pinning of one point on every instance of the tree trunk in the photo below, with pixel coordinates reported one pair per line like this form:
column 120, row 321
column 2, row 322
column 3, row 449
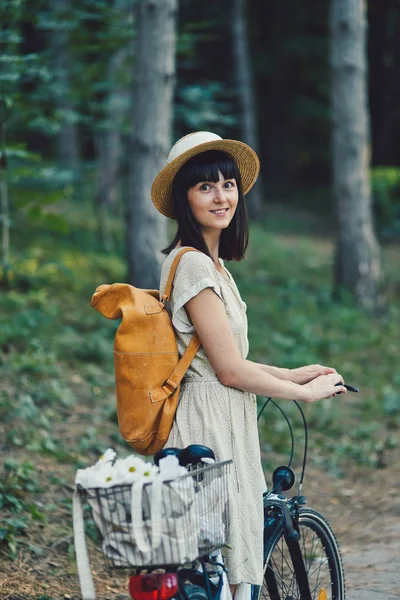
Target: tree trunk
column 4, row 200
column 357, row 253
column 117, row 109
column 245, row 92
column 152, row 106
column 68, row 147
column 110, row 148
column 105, row 181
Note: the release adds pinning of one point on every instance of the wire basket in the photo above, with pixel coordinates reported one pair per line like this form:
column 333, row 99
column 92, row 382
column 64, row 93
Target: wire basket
column 163, row 523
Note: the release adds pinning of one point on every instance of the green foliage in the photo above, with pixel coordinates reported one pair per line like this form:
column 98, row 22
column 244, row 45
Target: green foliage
column 385, row 184
column 205, row 107
column 18, row 480
column 89, row 35
column 29, row 190
column 201, row 104
column 391, row 402
column 37, row 189
column 293, row 321
column 41, row 324
column 57, row 400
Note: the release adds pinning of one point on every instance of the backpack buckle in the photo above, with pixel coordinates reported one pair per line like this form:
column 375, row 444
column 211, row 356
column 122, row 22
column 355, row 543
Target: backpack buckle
column 170, row 385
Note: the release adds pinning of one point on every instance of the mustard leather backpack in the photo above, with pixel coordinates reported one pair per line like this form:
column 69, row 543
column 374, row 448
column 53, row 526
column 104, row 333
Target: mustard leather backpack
column 148, row 370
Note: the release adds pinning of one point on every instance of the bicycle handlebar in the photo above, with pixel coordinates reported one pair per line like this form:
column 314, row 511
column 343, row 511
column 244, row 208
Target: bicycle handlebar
column 349, row 388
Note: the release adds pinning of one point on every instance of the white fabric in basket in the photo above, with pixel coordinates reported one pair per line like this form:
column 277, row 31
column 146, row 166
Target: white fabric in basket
column 150, row 523
column 211, row 504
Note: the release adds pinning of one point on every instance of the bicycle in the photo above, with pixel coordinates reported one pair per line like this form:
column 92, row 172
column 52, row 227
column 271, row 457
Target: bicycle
column 302, row 559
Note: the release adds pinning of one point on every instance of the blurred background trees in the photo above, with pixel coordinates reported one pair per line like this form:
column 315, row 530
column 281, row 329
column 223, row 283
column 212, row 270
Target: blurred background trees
column 357, row 261
column 254, row 70
column 152, row 105
column 91, row 97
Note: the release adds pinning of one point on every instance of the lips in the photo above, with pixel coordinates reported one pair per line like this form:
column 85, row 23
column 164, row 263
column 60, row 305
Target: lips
column 220, row 211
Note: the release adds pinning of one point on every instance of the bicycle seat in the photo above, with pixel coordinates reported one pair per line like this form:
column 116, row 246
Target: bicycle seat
column 193, row 454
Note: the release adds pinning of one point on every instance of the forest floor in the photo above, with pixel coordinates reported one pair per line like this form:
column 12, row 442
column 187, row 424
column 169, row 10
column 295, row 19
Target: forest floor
column 57, row 405
column 363, row 509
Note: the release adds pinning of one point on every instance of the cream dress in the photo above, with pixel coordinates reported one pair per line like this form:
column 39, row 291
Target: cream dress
column 221, row 417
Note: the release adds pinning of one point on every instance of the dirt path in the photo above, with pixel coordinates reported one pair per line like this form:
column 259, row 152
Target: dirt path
column 364, row 511
column 373, row 573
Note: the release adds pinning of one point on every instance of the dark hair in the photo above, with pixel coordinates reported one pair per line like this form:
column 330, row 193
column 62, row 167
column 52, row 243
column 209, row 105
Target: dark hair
column 206, row 167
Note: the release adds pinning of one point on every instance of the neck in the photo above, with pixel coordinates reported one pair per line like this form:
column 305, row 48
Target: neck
column 212, row 241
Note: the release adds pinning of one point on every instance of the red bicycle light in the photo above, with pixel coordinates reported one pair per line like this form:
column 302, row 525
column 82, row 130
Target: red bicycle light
column 157, row 586
column 169, row 586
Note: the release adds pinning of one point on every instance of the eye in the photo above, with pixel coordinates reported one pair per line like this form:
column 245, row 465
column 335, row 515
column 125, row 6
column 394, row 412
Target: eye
column 205, row 186
column 229, row 184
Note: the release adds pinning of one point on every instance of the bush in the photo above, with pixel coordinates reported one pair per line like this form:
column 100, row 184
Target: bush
column 385, row 185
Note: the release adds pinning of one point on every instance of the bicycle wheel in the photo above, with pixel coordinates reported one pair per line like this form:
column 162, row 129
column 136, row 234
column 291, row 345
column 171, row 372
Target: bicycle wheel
column 321, row 557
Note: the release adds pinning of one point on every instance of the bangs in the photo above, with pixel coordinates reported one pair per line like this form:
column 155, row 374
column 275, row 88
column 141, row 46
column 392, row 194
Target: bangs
column 207, row 166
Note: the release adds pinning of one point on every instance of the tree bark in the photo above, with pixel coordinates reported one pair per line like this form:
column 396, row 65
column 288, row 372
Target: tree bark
column 106, row 178
column 117, row 112
column 152, row 106
column 4, row 200
column 246, row 96
column 109, row 146
column 68, row 146
column 357, row 265
column 110, row 143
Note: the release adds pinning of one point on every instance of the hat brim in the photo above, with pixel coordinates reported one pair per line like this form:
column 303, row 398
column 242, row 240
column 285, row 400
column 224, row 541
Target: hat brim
column 246, row 159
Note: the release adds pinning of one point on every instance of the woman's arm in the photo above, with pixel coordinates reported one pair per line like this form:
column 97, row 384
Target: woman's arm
column 300, row 375
column 208, row 315
column 279, row 372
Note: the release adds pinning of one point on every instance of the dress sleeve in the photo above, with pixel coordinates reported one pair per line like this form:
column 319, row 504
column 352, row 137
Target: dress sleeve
column 195, row 273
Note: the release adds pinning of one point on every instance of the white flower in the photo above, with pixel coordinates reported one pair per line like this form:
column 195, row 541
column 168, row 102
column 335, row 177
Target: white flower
column 94, row 477
column 133, row 468
column 109, row 471
column 107, row 458
column 107, row 476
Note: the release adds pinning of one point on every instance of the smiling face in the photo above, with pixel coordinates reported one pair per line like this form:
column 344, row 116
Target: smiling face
column 213, row 204
column 209, row 205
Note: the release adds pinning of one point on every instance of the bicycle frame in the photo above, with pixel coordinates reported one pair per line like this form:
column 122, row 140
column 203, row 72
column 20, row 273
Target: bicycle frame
column 281, row 513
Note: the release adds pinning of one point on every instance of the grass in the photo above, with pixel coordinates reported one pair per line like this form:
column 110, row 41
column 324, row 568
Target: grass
column 293, row 321
column 57, row 404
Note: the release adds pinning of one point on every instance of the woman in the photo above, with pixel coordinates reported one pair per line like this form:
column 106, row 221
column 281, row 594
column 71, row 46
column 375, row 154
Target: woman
column 203, row 187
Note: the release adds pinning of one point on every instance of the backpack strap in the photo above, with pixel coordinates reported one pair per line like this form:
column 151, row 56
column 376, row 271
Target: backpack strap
column 177, row 374
column 168, row 288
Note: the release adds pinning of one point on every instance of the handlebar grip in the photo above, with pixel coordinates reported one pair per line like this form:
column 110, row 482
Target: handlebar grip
column 349, row 388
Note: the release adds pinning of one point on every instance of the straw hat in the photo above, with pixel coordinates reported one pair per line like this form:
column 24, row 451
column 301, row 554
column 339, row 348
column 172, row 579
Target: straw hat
column 195, row 143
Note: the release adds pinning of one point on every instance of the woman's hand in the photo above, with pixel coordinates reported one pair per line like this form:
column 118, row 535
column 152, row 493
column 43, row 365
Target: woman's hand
column 303, row 375
column 323, row 386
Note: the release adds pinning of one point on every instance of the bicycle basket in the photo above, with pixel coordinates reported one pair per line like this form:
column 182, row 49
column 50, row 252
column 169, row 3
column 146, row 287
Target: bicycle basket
column 163, row 522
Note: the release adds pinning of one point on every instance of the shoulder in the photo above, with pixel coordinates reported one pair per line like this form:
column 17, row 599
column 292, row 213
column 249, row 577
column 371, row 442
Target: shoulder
column 194, row 273
column 193, row 259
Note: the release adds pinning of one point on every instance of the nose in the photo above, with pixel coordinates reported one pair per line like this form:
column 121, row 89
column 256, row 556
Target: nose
column 219, row 195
